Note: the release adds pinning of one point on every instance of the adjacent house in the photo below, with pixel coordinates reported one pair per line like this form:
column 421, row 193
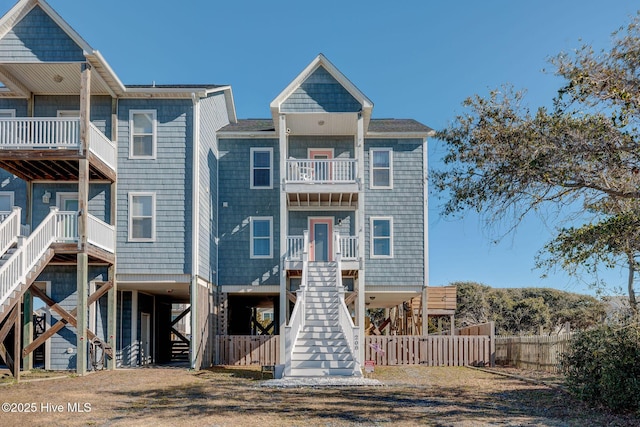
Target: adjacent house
column 157, row 220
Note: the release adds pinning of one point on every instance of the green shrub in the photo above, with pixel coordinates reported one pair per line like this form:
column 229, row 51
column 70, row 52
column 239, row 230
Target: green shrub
column 603, row 366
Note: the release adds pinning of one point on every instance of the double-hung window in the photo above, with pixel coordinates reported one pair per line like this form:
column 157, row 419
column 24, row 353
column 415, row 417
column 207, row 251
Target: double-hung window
column 143, row 134
column 261, row 168
column 381, row 237
column 261, row 230
column 381, row 160
column 142, row 217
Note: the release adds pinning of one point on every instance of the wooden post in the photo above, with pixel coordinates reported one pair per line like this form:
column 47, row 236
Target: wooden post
column 17, row 341
column 112, row 315
column 27, row 328
column 82, row 276
column 425, row 311
column 81, row 316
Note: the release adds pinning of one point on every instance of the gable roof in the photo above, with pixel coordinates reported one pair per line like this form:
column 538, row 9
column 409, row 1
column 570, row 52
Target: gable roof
column 18, row 74
column 329, row 70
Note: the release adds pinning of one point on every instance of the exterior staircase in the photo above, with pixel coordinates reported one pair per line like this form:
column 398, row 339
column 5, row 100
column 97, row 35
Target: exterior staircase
column 22, row 259
column 322, row 348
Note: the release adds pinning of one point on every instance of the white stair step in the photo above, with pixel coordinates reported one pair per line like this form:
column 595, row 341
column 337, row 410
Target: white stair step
column 316, row 342
column 340, row 364
column 324, row 373
column 321, row 335
column 322, row 348
column 321, row 357
column 325, row 323
column 322, row 310
column 334, row 328
column 323, row 316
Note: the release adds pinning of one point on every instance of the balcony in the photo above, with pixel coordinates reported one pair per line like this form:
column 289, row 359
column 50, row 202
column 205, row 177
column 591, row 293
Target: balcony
column 348, row 245
column 49, row 148
column 321, row 183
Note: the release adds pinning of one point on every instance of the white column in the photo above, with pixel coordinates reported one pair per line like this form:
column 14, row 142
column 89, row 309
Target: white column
column 360, row 227
column 284, row 305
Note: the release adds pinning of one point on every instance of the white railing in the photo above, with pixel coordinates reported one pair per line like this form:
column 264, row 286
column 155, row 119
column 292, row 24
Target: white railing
column 30, row 250
column 351, row 332
column 296, row 322
column 332, row 171
column 39, row 133
column 9, row 229
column 54, row 132
column 295, row 247
column 102, row 146
column 349, row 247
column 66, row 227
column 101, row 234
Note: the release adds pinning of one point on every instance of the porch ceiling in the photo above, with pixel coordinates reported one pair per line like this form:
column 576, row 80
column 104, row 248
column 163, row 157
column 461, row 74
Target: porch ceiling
column 322, row 123
column 178, row 292
column 307, row 199
column 39, row 78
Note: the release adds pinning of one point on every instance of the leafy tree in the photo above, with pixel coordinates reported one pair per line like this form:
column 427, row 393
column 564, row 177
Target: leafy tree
column 504, row 161
column 472, row 305
column 612, row 240
column 525, row 310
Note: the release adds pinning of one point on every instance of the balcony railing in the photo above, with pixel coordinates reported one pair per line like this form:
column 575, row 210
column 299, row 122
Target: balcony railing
column 348, row 248
column 36, row 133
column 332, row 171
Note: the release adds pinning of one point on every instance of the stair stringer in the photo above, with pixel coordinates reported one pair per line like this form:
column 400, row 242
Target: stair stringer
column 30, row 277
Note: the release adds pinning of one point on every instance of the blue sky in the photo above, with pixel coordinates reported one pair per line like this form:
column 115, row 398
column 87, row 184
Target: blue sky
column 414, row 59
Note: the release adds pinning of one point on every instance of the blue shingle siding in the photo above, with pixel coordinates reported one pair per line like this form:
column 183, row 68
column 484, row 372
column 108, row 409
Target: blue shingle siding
column 405, row 203
column 343, row 221
column 49, row 105
column 235, row 265
column 99, row 199
column 38, row 38
column 342, row 146
column 169, row 176
column 11, row 183
column 213, row 116
column 19, row 105
column 64, row 291
column 320, row 92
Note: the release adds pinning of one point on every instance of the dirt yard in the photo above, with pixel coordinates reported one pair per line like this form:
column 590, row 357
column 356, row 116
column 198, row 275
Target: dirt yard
column 411, row 396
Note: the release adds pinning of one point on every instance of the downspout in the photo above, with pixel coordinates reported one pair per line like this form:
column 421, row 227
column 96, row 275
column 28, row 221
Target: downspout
column 425, row 231
column 195, row 225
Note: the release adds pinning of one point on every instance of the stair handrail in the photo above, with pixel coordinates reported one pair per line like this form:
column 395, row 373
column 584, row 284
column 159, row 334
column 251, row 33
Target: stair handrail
column 351, row 332
column 10, row 230
column 30, row 250
column 297, row 320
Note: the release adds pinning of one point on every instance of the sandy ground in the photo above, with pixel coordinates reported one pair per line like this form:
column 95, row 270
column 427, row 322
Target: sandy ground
column 409, row 396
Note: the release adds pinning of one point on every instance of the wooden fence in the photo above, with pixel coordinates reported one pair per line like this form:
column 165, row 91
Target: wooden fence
column 540, row 353
column 248, row 350
column 432, row 350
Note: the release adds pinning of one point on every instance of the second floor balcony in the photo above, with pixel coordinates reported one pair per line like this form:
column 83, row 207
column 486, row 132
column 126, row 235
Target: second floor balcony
column 50, row 148
column 321, row 182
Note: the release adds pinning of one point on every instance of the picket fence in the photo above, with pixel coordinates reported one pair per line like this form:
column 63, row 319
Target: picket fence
column 539, row 352
column 432, row 350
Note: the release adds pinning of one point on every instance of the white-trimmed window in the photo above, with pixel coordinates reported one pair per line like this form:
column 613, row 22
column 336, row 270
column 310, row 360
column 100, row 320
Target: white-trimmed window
column 381, row 237
column 381, row 160
column 142, row 217
column 142, row 134
column 7, row 113
column 6, row 201
column 261, row 230
column 261, row 168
